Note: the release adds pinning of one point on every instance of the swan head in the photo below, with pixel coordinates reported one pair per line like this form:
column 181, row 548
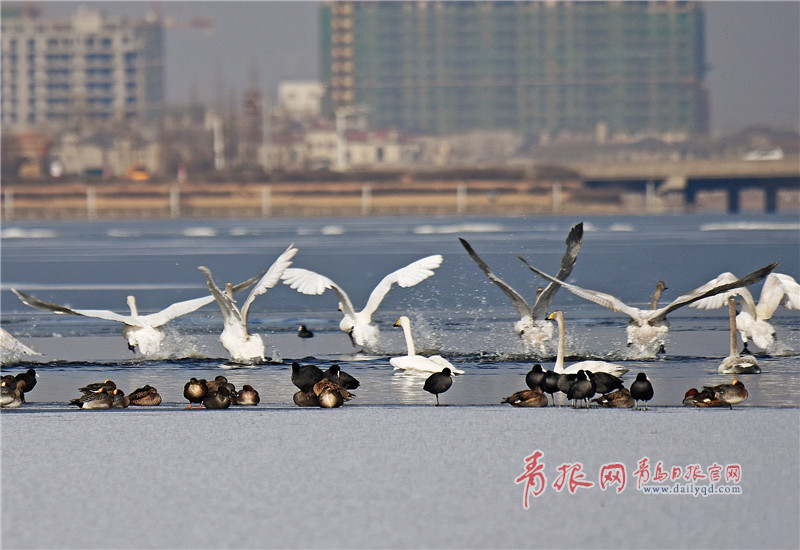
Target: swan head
column 661, row 286
column 556, row 316
column 403, row 322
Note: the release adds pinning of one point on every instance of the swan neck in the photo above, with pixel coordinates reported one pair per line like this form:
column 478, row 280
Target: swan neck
column 732, row 312
column 132, row 306
column 656, row 297
column 409, row 339
column 559, row 366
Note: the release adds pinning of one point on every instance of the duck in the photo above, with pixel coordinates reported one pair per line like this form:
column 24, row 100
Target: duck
column 119, row 400
column 242, row 346
column 705, row 398
column 582, row 389
column 28, row 379
column 195, row 391
column 527, row 398
column 141, row 331
column 617, row 399
column 304, row 332
column 100, row 399
column 335, row 373
column 218, row 382
column 647, row 328
column 11, row 395
column 247, row 396
column 418, row 363
column 533, row 327
column 306, row 399
column 438, row 382
column 305, row 376
column 736, row 363
column 12, row 347
column 535, row 377
column 146, row 396
column 358, row 325
column 94, row 387
column 641, row 389
column 593, row 365
column 753, row 321
column 730, row 394
column 219, row 399
column 331, row 394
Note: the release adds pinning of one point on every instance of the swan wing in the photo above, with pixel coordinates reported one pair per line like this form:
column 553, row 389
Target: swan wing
column 778, row 290
column 516, row 298
column 96, row 313
column 230, row 313
column 410, row 275
column 601, row 298
column 718, row 300
column 8, row 342
column 574, row 241
column 175, row 310
column 270, row 278
column 309, row 282
column 705, row 291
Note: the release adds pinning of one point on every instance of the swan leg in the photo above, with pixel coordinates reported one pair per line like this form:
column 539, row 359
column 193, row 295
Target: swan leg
column 131, row 347
column 745, row 351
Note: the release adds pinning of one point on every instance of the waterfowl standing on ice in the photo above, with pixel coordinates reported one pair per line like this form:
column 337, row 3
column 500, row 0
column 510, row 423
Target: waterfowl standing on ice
column 358, row 324
column 100, row 399
column 247, row 396
column 11, row 395
column 95, row 387
column 535, row 377
column 242, row 346
column 306, row 399
column 305, row 376
column 335, row 373
column 705, row 398
column 331, row 394
column 581, row 390
column 195, row 391
column 418, row 363
column 146, row 396
column 28, row 379
column 119, row 400
column 647, row 328
column 533, row 326
column 438, row 382
column 219, row 399
column 641, row 389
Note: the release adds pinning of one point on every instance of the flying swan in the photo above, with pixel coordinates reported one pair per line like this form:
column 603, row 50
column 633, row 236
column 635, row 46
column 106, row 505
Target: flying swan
column 751, row 322
column 533, row 327
column 418, row 363
column 358, row 324
column 647, row 328
column 139, row 330
column 242, row 346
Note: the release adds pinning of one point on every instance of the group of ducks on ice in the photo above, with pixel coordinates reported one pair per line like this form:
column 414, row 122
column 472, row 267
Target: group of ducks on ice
column 646, row 329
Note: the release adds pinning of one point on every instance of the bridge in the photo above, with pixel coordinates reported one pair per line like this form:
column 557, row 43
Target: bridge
column 690, row 177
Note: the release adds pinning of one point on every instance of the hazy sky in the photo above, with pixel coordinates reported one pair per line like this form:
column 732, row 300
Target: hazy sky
column 752, row 49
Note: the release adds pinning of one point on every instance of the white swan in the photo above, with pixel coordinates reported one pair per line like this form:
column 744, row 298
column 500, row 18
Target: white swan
column 647, row 328
column 751, row 322
column 590, row 365
column 243, row 346
column 139, row 330
column 533, row 327
column 418, row 363
column 12, row 347
column 358, row 324
column 735, row 363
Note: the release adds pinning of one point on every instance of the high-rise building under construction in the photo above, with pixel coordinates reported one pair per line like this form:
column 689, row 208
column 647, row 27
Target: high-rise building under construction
column 540, row 69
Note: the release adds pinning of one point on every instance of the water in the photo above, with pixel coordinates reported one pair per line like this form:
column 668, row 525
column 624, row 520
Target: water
column 457, row 313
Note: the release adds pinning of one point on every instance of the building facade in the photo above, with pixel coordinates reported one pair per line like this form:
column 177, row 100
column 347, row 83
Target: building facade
column 540, row 69
column 79, row 71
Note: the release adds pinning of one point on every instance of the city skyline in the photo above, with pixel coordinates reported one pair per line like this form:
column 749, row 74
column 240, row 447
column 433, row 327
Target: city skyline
column 752, row 50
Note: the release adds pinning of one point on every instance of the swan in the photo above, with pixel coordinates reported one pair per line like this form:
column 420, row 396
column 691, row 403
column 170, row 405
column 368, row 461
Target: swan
column 418, row 363
column 735, row 363
column 242, row 346
column 647, row 328
column 751, row 322
column 139, row 330
column 358, row 324
column 533, row 327
column 614, row 369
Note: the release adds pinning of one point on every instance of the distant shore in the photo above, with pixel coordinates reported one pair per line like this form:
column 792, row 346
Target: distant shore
column 75, row 201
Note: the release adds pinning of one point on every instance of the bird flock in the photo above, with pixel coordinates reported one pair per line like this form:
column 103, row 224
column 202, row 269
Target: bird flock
column 646, row 329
